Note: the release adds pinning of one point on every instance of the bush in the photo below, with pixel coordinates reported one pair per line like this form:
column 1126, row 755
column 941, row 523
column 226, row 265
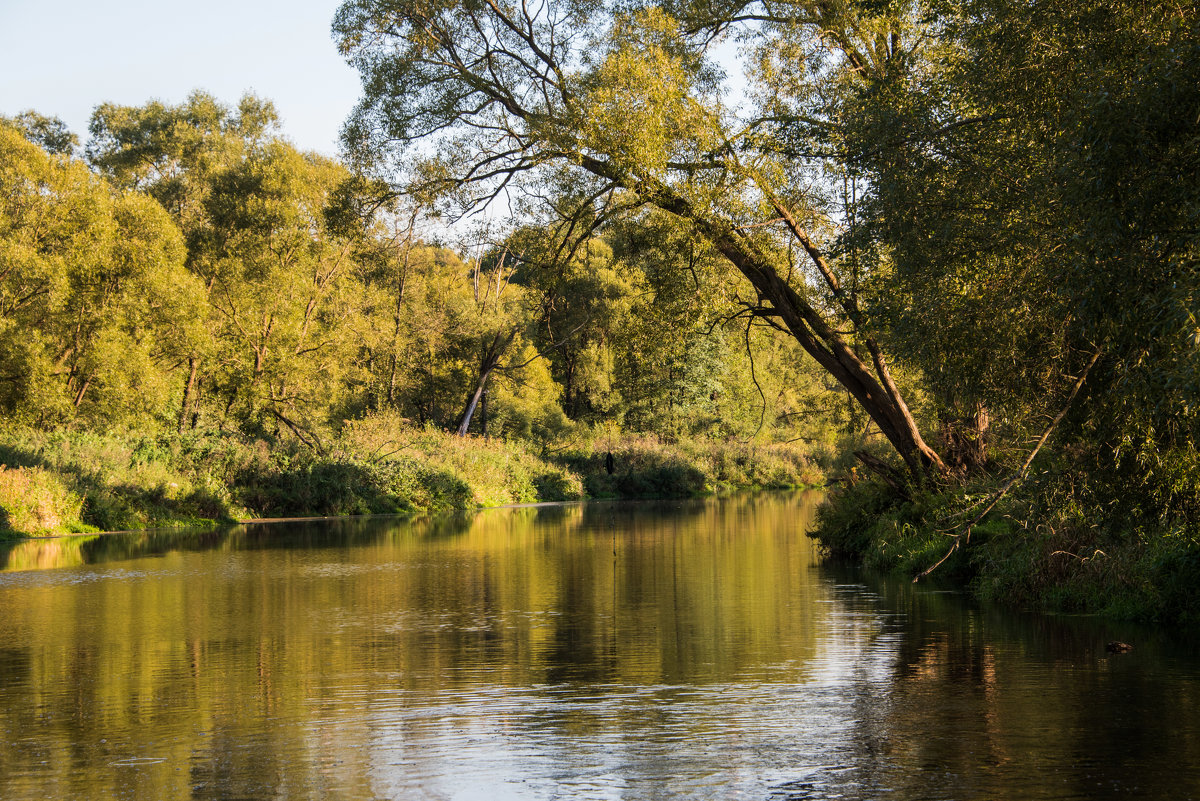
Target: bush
column 34, row 502
column 376, row 465
column 317, row 487
column 497, row 472
column 646, row 466
column 1051, row 543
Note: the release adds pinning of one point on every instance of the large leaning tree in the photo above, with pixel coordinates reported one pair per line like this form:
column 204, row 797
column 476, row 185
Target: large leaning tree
column 625, row 108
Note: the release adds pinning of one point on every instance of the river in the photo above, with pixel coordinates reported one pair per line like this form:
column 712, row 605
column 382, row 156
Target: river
column 673, row 650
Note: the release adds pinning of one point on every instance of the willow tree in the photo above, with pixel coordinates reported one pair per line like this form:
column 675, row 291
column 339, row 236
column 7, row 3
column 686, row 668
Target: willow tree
column 285, row 291
column 282, row 284
column 174, row 154
column 97, row 312
column 479, row 97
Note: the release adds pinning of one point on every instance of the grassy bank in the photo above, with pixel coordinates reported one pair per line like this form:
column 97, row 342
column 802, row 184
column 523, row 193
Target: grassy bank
column 61, row 481
column 645, row 466
column 1053, row 544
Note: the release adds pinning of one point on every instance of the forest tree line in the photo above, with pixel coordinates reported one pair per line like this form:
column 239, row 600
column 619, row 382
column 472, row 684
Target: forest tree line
column 980, row 220
column 1000, row 198
column 191, row 268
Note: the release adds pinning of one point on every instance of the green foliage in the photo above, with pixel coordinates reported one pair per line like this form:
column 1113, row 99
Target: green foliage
column 1032, row 200
column 525, row 405
column 625, row 120
column 1071, row 543
column 172, row 151
column 379, row 464
column 1057, row 542
column 498, row 472
column 646, row 93
column 95, row 304
column 1033, row 196
column 281, row 357
column 49, row 133
column 314, row 487
column 868, row 522
column 256, row 338
column 587, row 300
column 126, row 481
column 136, row 481
column 273, row 236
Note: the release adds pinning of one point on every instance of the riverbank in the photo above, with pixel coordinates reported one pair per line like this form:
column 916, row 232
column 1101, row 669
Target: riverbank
column 1048, row 545
column 59, row 482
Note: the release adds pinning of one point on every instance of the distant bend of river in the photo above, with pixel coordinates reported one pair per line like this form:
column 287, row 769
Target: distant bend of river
column 674, row 650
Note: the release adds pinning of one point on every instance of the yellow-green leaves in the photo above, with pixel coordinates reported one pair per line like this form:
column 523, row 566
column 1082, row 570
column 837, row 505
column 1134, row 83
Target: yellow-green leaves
column 644, row 104
column 94, row 299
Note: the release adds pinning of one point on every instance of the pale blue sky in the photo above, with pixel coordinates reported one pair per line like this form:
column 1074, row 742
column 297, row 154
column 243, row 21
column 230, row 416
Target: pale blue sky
column 64, row 57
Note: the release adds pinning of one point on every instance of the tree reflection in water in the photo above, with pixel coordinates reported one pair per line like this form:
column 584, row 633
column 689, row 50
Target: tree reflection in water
column 669, row 650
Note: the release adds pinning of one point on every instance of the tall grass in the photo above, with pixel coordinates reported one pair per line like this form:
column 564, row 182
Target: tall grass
column 645, row 465
column 1048, row 545
column 128, row 481
column 498, row 472
column 378, row 465
column 35, row 502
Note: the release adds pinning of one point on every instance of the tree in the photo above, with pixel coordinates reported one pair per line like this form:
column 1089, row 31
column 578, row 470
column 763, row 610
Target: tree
column 49, row 133
column 268, row 236
column 585, row 298
column 498, row 315
column 630, row 107
column 433, row 312
column 96, row 308
column 680, row 339
column 174, row 153
column 282, row 286
column 1035, row 189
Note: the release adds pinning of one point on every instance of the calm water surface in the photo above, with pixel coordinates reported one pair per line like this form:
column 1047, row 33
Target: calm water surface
column 692, row 650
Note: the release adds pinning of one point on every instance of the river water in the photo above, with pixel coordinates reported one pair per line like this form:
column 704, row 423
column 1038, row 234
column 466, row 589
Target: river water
column 685, row 650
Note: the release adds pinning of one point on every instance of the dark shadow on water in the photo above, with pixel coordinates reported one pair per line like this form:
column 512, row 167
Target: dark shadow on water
column 981, row 700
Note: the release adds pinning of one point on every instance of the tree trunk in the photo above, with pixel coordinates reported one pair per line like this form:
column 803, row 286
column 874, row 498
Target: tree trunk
column 185, row 409
column 464, row 422
column 964, row 440
column 483, row 413
column 491, row 358
column 83, row 388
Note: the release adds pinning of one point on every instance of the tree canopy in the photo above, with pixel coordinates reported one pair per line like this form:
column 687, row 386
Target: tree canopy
column 997, row 199
column 957, row 228
column 95, row 304
column 198, row 271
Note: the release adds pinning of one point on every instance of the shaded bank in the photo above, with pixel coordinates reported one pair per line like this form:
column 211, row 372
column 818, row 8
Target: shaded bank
column 1049, row 545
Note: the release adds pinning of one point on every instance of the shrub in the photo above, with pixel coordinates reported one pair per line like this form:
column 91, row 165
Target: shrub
column 648, row 466
column 35, row 502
